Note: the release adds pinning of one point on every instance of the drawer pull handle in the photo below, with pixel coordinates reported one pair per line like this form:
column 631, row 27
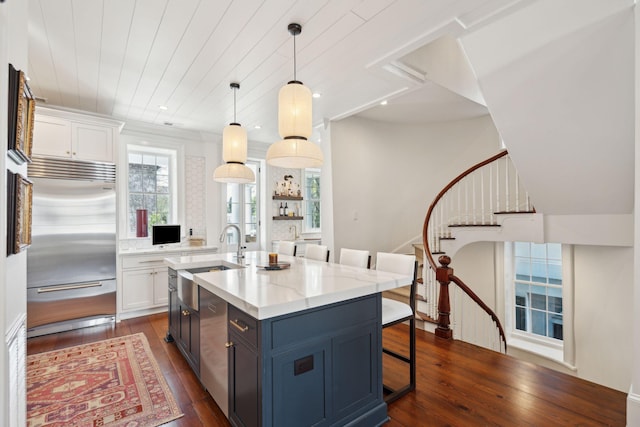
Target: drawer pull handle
column 185, row 312
column 238, row 326
column 228, row 344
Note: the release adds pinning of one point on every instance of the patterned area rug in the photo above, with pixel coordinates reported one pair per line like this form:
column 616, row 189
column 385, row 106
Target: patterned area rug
column 115, row 382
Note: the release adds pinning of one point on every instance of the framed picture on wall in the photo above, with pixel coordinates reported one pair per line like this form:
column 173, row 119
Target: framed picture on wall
column 19, row 205
column 21, row 110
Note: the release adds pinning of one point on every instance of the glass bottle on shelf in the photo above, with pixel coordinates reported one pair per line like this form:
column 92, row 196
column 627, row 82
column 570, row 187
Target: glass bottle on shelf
column 281, row 213
column 286, row 209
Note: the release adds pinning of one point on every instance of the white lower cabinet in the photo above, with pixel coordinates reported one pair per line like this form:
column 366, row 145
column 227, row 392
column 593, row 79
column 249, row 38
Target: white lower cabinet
column 145, row 288
column 144, row 283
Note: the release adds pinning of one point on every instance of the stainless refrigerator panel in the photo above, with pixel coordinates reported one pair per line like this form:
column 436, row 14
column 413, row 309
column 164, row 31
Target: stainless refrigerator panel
column 73, row 232
column 68, row 302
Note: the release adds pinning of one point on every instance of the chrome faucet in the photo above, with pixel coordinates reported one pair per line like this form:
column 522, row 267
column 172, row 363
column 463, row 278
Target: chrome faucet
column 295, row 232
column 239, row 255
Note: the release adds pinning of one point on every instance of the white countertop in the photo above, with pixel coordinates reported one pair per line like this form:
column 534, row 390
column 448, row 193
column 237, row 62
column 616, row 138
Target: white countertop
column 306, row 284
column 169, row 249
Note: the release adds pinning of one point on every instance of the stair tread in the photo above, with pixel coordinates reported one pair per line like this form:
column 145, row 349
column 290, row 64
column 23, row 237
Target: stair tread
column 426, row 317
column 514, row 212
column 474, row 225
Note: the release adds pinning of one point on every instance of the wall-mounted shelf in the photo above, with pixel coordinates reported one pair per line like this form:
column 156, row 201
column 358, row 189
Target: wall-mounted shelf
column 282, row 218
column 287, row 197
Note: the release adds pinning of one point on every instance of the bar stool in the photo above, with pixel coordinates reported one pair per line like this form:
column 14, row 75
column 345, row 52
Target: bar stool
column 287, row 248
column 355, row 258
column 317, row 252
column 394, row 312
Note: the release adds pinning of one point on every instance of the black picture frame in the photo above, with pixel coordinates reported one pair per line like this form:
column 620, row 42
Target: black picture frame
column 21, row 114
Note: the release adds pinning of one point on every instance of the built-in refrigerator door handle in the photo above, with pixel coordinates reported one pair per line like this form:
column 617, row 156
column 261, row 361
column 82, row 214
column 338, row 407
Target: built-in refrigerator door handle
column 68, row 287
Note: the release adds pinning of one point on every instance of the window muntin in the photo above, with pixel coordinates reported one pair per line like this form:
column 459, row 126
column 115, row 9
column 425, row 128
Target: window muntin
column 312, row 220
column 151, row 174
column 538, row 289
column 242, row 207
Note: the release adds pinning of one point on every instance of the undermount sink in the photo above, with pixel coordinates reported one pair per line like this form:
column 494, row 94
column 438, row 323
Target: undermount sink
column 188, row 289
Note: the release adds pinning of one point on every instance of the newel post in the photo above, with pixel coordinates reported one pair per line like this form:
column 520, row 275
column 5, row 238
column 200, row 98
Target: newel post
column 444, row 307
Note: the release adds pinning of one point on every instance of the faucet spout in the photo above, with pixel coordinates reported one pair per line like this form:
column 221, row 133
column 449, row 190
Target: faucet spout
column 240, row 254
column 295, row 232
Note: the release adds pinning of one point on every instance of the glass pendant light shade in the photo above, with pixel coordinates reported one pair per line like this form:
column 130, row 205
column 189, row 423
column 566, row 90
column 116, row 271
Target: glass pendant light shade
column 294, row 110
column 294, row 124
column 234, row 152
column 234, row 143
column 294, row 153
column 234, row 172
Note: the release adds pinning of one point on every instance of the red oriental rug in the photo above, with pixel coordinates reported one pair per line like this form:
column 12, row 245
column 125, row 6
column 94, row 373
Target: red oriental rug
column 115, row 382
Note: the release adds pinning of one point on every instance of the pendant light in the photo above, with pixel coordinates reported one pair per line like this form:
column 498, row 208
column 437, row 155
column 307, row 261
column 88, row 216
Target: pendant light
column 294, row 123
column 234, row 151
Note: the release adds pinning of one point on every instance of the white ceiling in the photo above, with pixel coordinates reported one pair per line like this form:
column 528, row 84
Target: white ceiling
column 125, row 58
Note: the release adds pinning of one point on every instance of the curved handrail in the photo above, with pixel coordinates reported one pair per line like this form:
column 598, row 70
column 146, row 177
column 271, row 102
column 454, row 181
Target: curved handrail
column 455, row 279
column 425, row 228
column 427, row 249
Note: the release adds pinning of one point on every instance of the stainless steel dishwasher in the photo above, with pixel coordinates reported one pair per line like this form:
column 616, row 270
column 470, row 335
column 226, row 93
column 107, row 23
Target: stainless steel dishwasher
column 213, row 353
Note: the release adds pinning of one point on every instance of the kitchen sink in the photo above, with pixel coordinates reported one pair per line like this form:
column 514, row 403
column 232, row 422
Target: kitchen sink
column 188, row 289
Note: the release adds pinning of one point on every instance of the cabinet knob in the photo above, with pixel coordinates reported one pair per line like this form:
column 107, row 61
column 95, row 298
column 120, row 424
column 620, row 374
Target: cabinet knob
column 185, row 312
column 229, row 344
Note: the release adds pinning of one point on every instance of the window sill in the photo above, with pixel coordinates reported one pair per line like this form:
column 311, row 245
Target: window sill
column 541, row 350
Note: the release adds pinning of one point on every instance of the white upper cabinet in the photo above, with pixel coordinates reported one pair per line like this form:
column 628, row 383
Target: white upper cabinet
column 74, row 136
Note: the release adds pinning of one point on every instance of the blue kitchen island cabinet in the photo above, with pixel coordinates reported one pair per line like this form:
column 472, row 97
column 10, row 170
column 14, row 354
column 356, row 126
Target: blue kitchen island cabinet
column 304, row 344
column 319, row 367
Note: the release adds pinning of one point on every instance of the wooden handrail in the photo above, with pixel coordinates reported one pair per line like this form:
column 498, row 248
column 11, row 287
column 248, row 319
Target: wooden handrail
column 425, row 227
column 444, row 274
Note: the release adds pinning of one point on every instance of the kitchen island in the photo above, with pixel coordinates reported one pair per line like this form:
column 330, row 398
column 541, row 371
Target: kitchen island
column 304, row 343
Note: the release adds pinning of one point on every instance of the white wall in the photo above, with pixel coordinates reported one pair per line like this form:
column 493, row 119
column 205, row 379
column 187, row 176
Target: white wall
column 13, row 276
column 385, row 176
column 603, row 308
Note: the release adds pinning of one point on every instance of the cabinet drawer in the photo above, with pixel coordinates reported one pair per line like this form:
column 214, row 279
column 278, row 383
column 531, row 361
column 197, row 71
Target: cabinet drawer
column 148, row 261
column 243, row 325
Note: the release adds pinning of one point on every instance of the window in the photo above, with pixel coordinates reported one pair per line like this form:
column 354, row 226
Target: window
column 312, row 200
column 242, row 207
column 538, row 289
column 151, row 186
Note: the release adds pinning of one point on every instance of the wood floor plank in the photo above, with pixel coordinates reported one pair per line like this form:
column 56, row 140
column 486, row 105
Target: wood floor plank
column 458, row 384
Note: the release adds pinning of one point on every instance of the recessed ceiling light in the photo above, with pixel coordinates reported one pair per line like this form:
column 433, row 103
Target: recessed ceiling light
column 257, row 127
column 163, row 107
column 316, row 94
column 383, row 102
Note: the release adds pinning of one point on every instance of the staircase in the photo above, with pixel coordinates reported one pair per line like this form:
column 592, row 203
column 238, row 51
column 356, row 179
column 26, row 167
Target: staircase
column 485, row 203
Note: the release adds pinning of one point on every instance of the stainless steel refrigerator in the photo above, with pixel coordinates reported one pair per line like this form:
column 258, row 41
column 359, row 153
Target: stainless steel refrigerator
column 71, row 263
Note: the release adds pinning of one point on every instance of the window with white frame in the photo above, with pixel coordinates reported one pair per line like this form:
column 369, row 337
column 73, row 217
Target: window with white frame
column 151, row 185
column 538, row 289
column 312, row 200
column 243, row 209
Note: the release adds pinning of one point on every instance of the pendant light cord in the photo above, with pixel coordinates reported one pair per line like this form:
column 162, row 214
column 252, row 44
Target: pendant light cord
column 294, row 58
column 234, row 105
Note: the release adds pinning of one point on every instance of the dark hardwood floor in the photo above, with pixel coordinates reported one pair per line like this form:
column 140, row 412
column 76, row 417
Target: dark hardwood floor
column 458, row 384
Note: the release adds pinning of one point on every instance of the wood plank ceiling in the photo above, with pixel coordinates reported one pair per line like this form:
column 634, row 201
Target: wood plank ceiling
column 126, row 58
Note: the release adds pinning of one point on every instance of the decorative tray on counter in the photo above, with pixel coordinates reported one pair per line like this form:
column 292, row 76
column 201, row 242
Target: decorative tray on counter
column 278, row 266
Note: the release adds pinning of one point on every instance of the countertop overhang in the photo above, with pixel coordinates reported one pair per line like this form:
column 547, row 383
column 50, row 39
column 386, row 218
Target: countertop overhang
column 269, row 293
